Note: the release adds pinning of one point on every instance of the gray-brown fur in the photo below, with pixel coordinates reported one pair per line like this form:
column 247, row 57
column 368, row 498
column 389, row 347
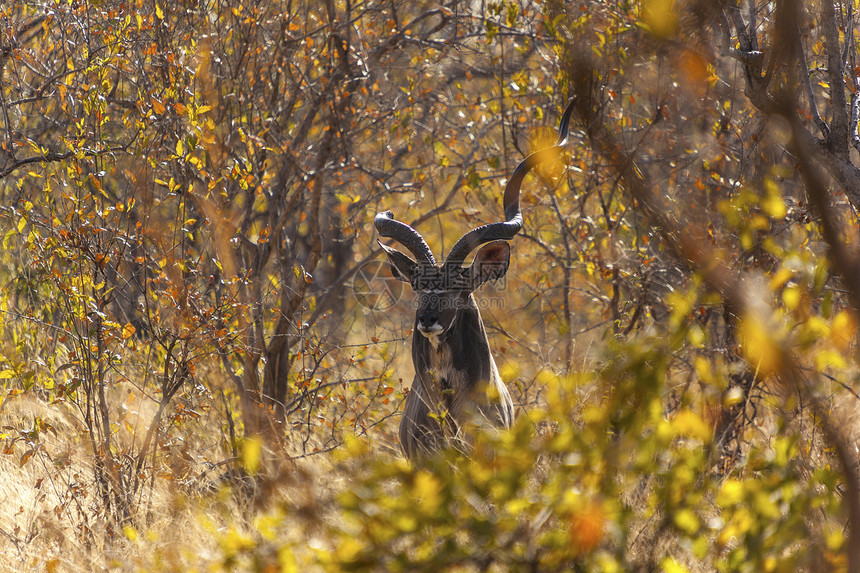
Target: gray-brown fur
column 454, row 379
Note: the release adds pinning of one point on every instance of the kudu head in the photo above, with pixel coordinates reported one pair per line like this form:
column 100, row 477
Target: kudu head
column 445, row 289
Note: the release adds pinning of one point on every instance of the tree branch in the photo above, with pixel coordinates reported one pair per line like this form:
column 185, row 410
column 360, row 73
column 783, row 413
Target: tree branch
column 806, row 79
column 54, row 157
column 838, row 142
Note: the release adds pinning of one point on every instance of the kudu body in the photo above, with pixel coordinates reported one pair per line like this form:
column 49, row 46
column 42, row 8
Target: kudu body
column 456, row 384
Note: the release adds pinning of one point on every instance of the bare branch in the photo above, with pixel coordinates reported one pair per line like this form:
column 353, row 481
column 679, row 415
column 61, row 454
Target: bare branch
column 751, row 58
column 55, row 157
column 838, row 142
column 807, row 84
column 851, row 64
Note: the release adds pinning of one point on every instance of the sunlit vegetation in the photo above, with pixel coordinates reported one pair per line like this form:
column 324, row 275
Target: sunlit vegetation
column 203, row 364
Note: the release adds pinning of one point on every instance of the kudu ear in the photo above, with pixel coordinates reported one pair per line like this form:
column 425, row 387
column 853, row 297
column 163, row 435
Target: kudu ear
column 491, row 262
column 402, row 267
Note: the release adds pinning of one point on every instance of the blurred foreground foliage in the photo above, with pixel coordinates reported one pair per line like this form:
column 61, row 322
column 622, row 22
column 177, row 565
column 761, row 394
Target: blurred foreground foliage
column 621, row 486
column 200, row 369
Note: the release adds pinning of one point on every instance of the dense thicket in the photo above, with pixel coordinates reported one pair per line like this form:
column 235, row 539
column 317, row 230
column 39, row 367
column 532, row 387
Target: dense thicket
column 193, row 294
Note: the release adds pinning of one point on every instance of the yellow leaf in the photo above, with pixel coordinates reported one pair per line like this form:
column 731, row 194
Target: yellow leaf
column 659, row 17
column 687, row 521
column 731, row 493
column 779, row 278
column 829, row 358
column 696, row 335
column 130, row 533
column 354, row 447
column 774, row 206
column 791, row 297
column 843, row 330
column 509, row 372
column 766, row 506
column 688, row 423
column 726, row 536
column 669, row 565
column 158, row 12
column 759, row 345
column 428, row 489
column 252, row 454
column 547, row 378
column 287, row 560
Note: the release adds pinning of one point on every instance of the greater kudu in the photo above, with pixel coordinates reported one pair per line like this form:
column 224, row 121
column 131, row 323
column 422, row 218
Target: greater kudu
column 456, row 380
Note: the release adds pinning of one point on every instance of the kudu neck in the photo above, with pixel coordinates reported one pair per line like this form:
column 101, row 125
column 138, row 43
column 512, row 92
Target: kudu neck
column 465, row 342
